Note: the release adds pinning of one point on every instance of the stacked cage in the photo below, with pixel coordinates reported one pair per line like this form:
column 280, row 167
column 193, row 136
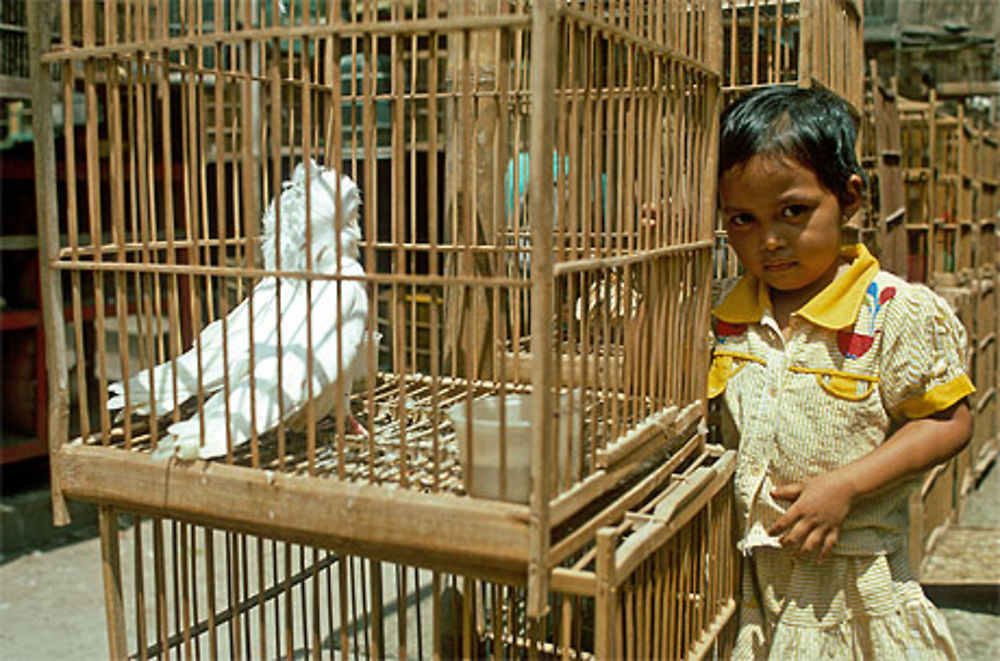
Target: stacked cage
column 950, row 206
column 656, row 581
column 952, row 212
column 519, row 346
column 882, row 228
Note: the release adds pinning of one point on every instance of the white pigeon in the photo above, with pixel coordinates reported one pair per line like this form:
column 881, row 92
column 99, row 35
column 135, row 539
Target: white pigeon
column 338, row 332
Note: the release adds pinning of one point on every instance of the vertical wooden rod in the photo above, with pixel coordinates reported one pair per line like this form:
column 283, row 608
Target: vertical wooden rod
column 543, row 78
column 39, row 40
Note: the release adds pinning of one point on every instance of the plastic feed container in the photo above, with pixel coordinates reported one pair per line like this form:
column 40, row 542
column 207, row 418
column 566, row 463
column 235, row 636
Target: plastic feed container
column 486, row 434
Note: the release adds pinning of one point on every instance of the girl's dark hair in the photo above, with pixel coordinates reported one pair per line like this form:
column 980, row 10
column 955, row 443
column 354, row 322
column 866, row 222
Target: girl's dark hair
column 812, row 126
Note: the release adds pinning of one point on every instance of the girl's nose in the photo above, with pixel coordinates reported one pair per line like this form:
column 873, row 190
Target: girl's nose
column 772, row 239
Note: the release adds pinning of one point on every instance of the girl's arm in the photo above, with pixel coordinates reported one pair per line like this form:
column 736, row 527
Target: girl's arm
column 822, row 503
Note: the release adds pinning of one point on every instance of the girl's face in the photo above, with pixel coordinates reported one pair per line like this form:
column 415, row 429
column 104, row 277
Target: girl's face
column 784, row 224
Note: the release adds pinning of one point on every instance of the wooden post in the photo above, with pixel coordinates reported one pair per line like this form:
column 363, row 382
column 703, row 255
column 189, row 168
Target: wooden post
column 39, row 39
column 114, row 603
column 544, row 40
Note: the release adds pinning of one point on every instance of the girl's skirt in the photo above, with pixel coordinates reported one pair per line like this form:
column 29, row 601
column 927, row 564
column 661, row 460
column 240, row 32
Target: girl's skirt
column 841, row 607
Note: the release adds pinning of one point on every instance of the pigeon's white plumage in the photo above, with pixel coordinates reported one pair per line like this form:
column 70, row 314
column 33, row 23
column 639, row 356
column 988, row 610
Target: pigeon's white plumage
column 338, row 316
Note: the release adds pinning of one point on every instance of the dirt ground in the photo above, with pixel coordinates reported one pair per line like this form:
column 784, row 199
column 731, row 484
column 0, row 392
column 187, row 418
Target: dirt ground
column 52, row 604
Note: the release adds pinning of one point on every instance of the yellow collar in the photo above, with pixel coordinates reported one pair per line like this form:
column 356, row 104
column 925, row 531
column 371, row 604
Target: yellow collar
column 835, row 307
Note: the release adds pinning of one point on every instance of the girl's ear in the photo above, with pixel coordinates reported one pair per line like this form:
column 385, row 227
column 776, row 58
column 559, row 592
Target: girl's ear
column 853, row 196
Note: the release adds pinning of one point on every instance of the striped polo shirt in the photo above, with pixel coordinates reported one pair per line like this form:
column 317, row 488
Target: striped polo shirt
column 866, row 354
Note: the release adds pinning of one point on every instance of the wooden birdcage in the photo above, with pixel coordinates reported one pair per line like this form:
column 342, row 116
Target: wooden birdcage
column 795, row 42
column 580, row 291
column 658, row 581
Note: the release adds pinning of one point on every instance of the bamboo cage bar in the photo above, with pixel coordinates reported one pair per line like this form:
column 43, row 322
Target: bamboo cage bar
column 581, row 292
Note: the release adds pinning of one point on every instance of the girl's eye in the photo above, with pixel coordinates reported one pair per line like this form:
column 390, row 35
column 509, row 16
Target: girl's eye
column 740, row 220
column 794, row 211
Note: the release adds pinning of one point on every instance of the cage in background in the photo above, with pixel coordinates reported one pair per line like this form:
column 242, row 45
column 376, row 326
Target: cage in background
column 881, row 157
column 794, row 42
column 489, row 273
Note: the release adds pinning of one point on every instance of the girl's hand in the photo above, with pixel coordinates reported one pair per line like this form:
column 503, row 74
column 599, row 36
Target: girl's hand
column 813, row 521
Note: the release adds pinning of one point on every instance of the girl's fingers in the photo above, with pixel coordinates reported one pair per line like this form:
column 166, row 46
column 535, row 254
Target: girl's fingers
column 785, row 492
column 796, row 535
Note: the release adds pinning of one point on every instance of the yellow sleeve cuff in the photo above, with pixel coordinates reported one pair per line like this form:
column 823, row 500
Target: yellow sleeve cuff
column 938, row 398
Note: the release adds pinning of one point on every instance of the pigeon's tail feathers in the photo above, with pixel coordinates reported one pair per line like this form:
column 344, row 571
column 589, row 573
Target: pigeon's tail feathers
column 211, row 373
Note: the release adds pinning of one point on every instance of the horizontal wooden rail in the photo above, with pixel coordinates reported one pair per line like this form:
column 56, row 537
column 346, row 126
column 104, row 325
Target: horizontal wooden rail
column 291, row 32
column 457, row 534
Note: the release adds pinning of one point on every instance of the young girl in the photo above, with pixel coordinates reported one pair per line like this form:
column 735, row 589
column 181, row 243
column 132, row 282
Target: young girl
column 842, row 383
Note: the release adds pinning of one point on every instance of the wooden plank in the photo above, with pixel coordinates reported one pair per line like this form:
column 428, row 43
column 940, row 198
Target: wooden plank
column 677, row 509
column 462, row 535
column 589, row 491
column 667, row 423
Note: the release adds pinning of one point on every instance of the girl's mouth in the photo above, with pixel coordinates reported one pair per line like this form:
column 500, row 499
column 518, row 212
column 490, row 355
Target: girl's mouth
column 779, row 266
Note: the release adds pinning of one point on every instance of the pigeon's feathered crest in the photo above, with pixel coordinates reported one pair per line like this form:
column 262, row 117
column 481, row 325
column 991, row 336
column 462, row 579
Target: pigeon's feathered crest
column 323, row 190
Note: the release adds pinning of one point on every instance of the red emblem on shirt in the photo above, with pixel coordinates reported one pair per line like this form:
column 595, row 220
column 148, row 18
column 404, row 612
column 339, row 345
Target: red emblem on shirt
column 854, row 345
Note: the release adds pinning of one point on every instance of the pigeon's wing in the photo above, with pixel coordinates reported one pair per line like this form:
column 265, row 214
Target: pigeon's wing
column 338, row 353
column 256, row 405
